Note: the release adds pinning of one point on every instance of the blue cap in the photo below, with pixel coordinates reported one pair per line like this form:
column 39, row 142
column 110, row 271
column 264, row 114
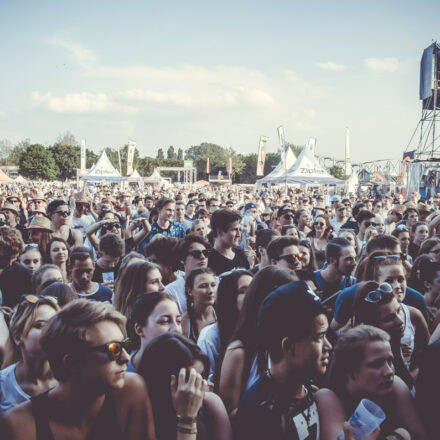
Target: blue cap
column 249, row 206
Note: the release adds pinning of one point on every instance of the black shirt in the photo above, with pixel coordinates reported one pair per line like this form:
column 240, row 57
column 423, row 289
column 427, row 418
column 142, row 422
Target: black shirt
column 219, row 263
column 263, row 415
column 15, row 281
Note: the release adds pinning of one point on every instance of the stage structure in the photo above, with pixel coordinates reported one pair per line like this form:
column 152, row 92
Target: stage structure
column 188, row 170
column 422, row 155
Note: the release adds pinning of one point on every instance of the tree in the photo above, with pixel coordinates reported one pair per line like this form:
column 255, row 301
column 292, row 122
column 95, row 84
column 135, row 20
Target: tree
column 337, row 172
column 5, row 151
column 67, row 159
column 180, row 154
column 295, row 148
column 160, row 154
column 171, row 154
column 67, row 138
column 124, row 153
column 37, row 162
column 91, row 158
column 113, row 156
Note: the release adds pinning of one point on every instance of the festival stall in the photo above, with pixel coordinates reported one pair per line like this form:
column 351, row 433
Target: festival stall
column 4, row 178
column 286, row 162
column 156, row 180
column 307, row 170
column 103, row 170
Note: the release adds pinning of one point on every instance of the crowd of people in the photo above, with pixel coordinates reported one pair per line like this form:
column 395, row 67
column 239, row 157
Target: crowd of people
column 216, row 314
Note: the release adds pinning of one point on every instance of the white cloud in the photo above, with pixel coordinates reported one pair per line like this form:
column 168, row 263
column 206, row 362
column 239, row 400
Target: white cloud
column 381, row 65
column 83, row 102
column 81, row 55
column 329, row 65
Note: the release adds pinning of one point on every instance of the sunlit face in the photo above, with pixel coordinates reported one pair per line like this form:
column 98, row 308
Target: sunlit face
column 82, row 274
column 434, row 253
column 164, row 318
column 231, row 237
column 347, row 261
column 167, row 212
column 404, row 241
column 51, row 274
column 180, row 212
column 289, row 258
column 30, row 343
column 58, row 253
column 293, row 232
column 391, row 318
column 154, row 281
column 348, row 236
column 62, row 215
column 376, row 373
column 195, row 257
column 242, row 286
column 305, row 251
column 380, row 224
column 319, row 224
column 31, row 259
column 412, row 218
column 394, row 275
column 204, row 291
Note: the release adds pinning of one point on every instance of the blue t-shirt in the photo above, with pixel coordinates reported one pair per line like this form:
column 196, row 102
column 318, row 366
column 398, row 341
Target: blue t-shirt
column 345, row 303
column 326, row 289
column 102, row 294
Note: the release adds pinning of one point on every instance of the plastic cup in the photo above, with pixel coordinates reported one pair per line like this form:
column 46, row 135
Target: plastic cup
column 365, row 419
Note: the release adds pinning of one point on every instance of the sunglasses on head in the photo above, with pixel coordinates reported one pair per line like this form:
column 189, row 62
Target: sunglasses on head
column 114, row 349
column 197, row 254
column 32, row 299
column 291, row 258
column 63, row 213
column 402, row 228
column 375, row 296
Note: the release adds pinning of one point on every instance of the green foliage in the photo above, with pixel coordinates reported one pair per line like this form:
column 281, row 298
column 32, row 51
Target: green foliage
column 337, row 172
column 36, row 163
column 171, row 154
column 113, row 156
column 180, row 154
column 67, row 160
column 91, row 158
column 160, row 154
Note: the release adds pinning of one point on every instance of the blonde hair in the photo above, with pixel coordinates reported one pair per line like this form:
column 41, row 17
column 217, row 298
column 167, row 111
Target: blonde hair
column 20, row 324
column 66, row 333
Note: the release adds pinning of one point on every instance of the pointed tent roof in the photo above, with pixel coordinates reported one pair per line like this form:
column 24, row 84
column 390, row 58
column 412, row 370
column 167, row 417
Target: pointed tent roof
column 20, row 179
column 278, row 171
column 308, row 170
column 103, row 170
column 134, row 177
column 4, row 178
column 155, row 177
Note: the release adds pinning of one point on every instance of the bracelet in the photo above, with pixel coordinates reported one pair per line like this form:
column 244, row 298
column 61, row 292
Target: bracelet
column 185, row 430
column 186, row 420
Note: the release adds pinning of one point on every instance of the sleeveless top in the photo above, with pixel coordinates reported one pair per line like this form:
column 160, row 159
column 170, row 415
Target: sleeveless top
column 192, row 331
column 70, row 238
column 106, row 426
column 11, row 393
column 408, row 334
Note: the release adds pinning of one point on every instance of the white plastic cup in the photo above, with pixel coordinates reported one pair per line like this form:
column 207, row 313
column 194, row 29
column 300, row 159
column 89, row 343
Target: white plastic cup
column 365, row 419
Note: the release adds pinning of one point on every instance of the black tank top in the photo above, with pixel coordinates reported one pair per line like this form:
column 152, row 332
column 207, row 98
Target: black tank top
column 70, row 240
column 106, row 425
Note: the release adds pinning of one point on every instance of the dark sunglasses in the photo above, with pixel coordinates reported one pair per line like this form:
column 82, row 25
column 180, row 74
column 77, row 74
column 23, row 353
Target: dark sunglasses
column 111, row 226
column 319, row 224
column 375, row 296
column 368, row 224
column 63, row 213
column 197, row 254
column 288, row 216
column 291, row 258
column 114, row 348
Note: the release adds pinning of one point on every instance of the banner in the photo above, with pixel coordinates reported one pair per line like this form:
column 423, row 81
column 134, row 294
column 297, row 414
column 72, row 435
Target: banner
column 281, row 138
column 261, row 155
column 230, row 167
column 83, row 156
column 208, row 169
column 311, row 144
column 130, row 156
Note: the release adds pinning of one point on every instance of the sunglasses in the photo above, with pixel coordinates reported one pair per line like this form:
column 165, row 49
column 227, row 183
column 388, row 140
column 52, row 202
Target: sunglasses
column 385, row 257
column 291, row 258
column 197, row 254
column 402, row 228
column 375, row 296
column 111, row 226
column 288, row 216
column 114, row 348
column 319, row 224
column 33, row 299
column 63, row 213
column 368, row 224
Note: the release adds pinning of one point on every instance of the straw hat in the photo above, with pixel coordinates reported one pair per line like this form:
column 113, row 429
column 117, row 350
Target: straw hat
column 38, row 196
column 10, row 207
column 40, row 222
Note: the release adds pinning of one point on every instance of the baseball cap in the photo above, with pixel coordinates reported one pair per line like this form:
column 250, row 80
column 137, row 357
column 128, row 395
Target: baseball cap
column 287, row 311
column 283, row 210
column 250, row 206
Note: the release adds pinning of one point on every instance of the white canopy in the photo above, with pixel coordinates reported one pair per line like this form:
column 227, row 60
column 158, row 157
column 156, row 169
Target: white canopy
column 103, row 170
column 289, row 159
column 308, row 170
column 134, row 177
column 20, row 179
column 352, row 183
column 155, row 178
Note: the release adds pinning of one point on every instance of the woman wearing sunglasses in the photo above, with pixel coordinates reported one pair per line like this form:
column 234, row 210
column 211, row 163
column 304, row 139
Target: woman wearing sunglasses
column 319, row 236
column 362, row 368
column 58, row 252
column 169, row 361
column 60, row 215
column 26, row 370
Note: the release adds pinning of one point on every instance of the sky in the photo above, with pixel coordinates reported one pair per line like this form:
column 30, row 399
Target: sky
column 181, row 73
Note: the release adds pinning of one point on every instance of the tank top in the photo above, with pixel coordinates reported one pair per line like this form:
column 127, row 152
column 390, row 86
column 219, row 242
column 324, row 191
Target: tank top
column 70, row 240
column 11, row 393
column 408, row 334
column 106, row 426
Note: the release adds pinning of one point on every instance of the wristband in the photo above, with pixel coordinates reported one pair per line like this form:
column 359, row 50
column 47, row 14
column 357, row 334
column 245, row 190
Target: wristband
column 185, row 430
column 186, row 420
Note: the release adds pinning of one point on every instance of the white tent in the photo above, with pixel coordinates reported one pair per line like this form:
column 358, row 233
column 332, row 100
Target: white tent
column 134, row 177
column 155, row 179
column 308, row 170
column 103, row 170
column 289, row 159
column 352, row 183
column 20, row 179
